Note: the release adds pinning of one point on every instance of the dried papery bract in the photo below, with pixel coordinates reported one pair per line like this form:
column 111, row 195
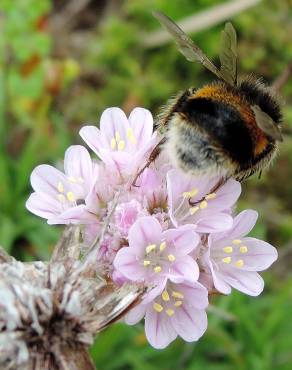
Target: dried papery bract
column 49, row 315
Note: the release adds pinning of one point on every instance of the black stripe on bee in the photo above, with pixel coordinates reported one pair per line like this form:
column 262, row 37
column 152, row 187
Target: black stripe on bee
column 223, row 124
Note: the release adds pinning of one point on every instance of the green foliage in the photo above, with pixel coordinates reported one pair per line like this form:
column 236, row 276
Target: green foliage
column 53, row 82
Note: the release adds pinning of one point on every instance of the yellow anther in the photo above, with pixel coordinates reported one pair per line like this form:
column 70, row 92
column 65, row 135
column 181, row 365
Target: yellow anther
column 165, row 295
column 121, row 145
column 170, row 312
column 178, row 303
column 228, row 249
column 146, row 263
column 162, row 246
column 236, row 241
column 150, row 248
column 70, row 196
column 193, row 210
column 171, row 258
column 157, row 307
column 211, row 196
column 157, row 269
column 190, row 194
column 117, row 136
column 113, row 143
column 60, row 187
column 203, row 204
column 243, row 249
column 226, row 259
column 131, row 136
column 176, row 294
column 239, row 263
column 61, row 198
column 72, row 179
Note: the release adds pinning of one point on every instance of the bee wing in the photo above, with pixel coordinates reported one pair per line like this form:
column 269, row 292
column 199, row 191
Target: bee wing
column 228, row 54
column 186, row 45
column 266, row 123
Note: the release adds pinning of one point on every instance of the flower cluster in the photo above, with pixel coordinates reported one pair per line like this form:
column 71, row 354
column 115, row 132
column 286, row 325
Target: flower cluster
column 175, row 233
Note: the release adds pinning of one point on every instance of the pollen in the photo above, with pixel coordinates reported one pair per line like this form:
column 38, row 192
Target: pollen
column 131, row 136
column 171, row 258
column 176, row 294
column 146, row 263
column 228, row 249
column 211, row 196
column 239, row 263
column 193, row 210
column 157, row 307
column 60, row 187
column 113, row 143
column 121, row 145
column 190, row 194
column 243, row 249
column 157, row 269
column 61, row 198
column 178, row 303
column 236, row 241
column 226, row 259
column 70, row 196
column 203, row 204
column 117, row 136
column 162, row 246
column 150, row 248
column 165, row 296
column 170, row 312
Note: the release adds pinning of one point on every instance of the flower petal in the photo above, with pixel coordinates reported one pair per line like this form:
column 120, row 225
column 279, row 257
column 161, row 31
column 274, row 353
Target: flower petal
column 195, row 294
column 136, row 314
column 243, row 223
column 45, row 179
column 74, row 215
column 43, row 205
column 248, row 282
column 141, row 122
column 158, row 329
column 93, row 138
column 214, row 223
column 189, row 322
column 113, row 121
column 126, row 262
column 184, row 239
column 146, row 230
column 185, row 268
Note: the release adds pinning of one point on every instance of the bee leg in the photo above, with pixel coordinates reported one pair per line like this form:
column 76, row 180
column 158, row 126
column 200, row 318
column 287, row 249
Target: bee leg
column 220, row 183
column 154, row 154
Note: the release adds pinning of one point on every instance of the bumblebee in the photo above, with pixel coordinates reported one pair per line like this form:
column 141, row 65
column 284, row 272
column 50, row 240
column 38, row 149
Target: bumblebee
column 226, row 128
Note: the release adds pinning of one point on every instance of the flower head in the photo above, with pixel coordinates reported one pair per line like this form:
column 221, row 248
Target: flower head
column 234, row 259
column 178, row 309
column 122, row 143
column 154, row 255
column 62, row 197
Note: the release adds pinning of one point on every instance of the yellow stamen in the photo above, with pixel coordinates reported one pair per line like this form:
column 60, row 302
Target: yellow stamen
column 157, row 307
column 61, row 198
column 121, row 145
column 239, row 263
column 117, row 136
column 193, row 210
column 131, row 136
column 178, row 303
column 203, row 204
column 171, row 258
column 169, row 312
column 70, row 196
column 176, row 294
column 162, row 246
column 113, row 143
column 150, row 248
column 146, row 263
column 211, row 196
column 228, row 249
column 243, row 249
column 226, row 259
column 157, row 269
column 190, row 194
column 72, row 179
column 236, row 241
column 165, row 295
column 60, row 187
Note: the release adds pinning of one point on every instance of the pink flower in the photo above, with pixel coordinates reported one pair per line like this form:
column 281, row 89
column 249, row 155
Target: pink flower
column 126, row 214
column 153, row 255
column 120, row 142
column 178, row 309
column 191, row 200
column 61, row 198
column 234, row 259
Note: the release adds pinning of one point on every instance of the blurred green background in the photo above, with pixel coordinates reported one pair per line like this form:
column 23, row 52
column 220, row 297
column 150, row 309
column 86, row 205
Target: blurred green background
column 61, row 64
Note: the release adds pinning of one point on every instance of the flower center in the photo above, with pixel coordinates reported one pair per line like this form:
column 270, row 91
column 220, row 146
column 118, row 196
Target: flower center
column 231, row 254
column 156, row 256
column 120, row 144
column 169, row 301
